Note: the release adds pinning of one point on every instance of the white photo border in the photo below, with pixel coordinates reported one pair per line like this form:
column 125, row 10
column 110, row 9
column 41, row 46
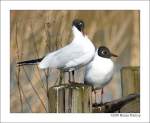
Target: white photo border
column 6, row 6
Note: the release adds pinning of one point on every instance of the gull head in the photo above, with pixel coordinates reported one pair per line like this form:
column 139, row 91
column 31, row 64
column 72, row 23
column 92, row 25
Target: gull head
column 105, row 52
column 79, row 24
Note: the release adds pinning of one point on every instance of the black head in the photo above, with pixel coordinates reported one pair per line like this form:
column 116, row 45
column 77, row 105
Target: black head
column 79, row 24
column 105, row 52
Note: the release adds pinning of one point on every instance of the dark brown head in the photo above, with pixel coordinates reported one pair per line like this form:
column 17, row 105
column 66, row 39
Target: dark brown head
column 105, row 52
column 79, row 24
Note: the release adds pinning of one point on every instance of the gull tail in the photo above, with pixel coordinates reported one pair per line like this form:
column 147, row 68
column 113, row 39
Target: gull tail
column 29, row 62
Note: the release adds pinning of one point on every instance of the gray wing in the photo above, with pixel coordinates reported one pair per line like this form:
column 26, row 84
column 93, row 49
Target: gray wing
column 61, row 57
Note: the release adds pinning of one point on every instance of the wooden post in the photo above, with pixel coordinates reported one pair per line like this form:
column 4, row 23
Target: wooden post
column 70, row 98
column 130, row 79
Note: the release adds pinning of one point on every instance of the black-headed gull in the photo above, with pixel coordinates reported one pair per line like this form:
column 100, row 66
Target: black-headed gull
column 71, row 57
column 99, row 71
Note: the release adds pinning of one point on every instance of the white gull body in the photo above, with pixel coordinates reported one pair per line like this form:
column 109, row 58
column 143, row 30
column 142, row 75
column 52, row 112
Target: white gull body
column 71, row 57
column 99, row 72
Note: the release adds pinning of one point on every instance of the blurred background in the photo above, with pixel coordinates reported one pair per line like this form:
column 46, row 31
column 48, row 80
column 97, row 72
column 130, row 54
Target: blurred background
column 35, row 33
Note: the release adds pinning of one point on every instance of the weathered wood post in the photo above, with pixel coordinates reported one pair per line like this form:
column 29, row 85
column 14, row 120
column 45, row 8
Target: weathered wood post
column 130, row 79
column 70, row 98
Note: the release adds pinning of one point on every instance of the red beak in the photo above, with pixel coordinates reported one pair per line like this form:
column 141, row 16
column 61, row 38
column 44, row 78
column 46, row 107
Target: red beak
column 83, row 32
column 114, row 55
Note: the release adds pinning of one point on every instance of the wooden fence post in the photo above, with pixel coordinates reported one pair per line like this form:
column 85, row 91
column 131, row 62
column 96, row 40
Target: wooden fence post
column 70, row 98
column 130, row 79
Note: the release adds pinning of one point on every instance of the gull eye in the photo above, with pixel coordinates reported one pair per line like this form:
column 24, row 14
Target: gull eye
column 104, row 52
column 80, row 23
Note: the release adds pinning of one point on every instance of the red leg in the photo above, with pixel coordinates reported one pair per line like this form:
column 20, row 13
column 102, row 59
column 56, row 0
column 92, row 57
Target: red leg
column 102, row 92
column 73, row 76
column 95, row 96
column 69, row 77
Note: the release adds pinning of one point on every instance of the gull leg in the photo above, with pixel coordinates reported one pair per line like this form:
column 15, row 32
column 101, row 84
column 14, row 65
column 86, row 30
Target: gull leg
column 69, row 77
column 73, row 76
column 102, row 92
column 95, row 96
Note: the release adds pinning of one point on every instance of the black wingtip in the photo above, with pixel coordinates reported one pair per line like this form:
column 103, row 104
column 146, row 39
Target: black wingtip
column 29, row 62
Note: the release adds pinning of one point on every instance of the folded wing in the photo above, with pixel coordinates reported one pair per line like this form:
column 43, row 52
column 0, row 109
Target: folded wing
column 61, row 57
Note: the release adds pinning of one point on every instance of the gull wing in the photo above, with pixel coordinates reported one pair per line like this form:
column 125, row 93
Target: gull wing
column 61, row 57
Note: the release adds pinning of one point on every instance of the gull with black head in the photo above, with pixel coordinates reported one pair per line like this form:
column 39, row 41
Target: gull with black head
column 71, row 57
column 99, row 71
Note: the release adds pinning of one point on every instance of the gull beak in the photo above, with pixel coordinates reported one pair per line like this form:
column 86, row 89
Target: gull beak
column 113, row 55
column 82, row 30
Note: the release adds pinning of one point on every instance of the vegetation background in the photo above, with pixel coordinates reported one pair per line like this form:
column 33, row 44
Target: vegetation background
column 35, row 33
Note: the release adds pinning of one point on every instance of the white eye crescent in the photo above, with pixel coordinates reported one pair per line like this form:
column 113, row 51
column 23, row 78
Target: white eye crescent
column 103, row 52
column 80, row 23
